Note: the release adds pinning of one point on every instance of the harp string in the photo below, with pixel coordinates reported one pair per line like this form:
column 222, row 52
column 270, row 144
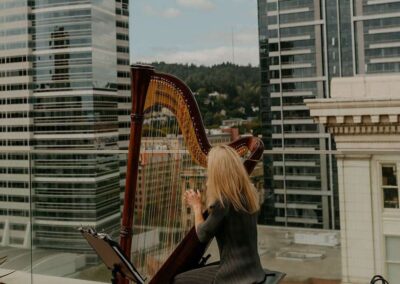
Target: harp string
column 176, row 210
column 148, row 183
column 172, row 130
column 178, row 204
column 154, row 185
column 159, row 204
column 166, row 229
column 174, row 168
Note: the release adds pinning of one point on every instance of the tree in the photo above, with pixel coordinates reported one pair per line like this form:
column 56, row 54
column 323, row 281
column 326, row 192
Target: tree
column 240, row 83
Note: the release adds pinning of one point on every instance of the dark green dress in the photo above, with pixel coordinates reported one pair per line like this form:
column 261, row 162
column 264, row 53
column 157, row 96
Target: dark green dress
column 236, row 234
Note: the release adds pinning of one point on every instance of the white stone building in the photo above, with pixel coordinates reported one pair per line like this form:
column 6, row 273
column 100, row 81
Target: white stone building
column 363, row 115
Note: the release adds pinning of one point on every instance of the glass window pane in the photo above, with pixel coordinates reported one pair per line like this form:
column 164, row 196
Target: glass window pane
column 393, row 272
column 393, row 249
column 390, row 198
column 389, row 175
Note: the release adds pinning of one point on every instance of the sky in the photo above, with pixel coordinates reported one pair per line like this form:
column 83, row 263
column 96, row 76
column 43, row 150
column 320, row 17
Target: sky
column 202, row 32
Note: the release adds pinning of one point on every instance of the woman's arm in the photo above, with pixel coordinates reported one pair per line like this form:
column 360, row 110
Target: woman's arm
column 205, row 229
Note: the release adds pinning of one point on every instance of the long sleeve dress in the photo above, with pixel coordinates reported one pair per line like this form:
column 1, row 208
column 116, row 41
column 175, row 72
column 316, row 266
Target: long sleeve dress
column 236, row 235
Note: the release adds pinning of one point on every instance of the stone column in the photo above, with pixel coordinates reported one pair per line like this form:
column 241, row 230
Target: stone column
column 355, row 191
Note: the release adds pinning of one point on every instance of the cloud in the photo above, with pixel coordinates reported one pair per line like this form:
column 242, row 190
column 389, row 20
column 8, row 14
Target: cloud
column 206, row 5
column 246, row 36
column 171, row 13
column 244, row 55
column 168, row 13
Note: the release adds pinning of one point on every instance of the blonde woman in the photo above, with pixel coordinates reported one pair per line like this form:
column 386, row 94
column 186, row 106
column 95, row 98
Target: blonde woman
column 233, row 204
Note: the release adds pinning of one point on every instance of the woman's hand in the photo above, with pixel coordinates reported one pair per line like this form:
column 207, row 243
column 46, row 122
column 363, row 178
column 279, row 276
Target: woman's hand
column 193, row 199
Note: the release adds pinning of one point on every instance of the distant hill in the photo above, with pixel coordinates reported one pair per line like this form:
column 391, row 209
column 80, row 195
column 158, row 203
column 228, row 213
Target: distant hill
column 241, row 84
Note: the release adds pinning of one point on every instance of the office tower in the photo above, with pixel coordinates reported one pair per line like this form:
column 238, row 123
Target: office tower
column 303, row 44
column 300, row 190
column 70, row 76
column 376, row 36
column 16, row 123
column 123, row 85
column 294, row 64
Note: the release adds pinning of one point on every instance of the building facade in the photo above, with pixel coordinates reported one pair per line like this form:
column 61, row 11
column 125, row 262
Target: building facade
column 363, row 116
column 67, row 64
column 303, row 44
column 16, row 123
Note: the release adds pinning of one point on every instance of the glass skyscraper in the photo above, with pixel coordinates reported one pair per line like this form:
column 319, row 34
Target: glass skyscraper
column 303, row 44
column 64, row 97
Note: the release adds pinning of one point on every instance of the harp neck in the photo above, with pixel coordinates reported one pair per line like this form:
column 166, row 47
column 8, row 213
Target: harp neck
column 172, row 93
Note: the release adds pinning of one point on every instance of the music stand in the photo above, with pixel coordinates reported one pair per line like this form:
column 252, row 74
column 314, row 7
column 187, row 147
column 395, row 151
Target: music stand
column 111, row 254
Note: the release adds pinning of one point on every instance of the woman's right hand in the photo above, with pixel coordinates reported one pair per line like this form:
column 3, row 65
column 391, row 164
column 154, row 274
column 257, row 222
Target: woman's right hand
column 193, row 199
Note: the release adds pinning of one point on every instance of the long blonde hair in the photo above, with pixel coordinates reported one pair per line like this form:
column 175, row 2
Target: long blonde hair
column 229, row 181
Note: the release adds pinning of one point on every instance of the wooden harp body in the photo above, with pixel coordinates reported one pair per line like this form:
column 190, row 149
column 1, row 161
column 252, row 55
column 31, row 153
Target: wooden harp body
column 149, row 90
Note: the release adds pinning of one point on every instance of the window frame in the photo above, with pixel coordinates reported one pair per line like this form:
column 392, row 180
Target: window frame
column 381, row 186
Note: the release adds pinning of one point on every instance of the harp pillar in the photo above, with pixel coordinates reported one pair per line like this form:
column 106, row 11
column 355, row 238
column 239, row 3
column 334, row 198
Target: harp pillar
column 140, row 78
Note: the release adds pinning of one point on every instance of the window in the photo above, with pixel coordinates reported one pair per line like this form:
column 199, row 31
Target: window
column 393, row 258
column 390, row 186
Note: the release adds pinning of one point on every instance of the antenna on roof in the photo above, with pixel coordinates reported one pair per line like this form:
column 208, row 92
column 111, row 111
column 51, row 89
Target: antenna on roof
column 233, row 45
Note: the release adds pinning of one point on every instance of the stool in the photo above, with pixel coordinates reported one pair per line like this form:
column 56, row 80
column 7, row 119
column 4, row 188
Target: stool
column 273, row 277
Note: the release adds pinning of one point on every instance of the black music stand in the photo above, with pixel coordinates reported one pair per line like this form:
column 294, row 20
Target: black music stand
column 111, row 254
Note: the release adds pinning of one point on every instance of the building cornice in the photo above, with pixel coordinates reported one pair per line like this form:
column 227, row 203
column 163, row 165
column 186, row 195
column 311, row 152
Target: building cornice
column 363, row 116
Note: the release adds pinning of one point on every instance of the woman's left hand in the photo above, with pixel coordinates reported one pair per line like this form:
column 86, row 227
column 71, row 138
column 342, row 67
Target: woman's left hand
column 193, row 199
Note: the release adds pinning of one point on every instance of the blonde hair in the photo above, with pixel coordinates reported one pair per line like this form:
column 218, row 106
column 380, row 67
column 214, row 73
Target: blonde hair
column 228, row 180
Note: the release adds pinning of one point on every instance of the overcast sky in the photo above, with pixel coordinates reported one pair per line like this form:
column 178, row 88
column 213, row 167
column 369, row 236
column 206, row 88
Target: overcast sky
column 194, row 31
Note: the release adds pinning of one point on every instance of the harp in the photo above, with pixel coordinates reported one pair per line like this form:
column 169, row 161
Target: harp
column 153, row 236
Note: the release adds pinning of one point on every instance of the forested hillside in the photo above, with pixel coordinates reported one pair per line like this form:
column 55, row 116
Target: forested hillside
column 241, row 84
